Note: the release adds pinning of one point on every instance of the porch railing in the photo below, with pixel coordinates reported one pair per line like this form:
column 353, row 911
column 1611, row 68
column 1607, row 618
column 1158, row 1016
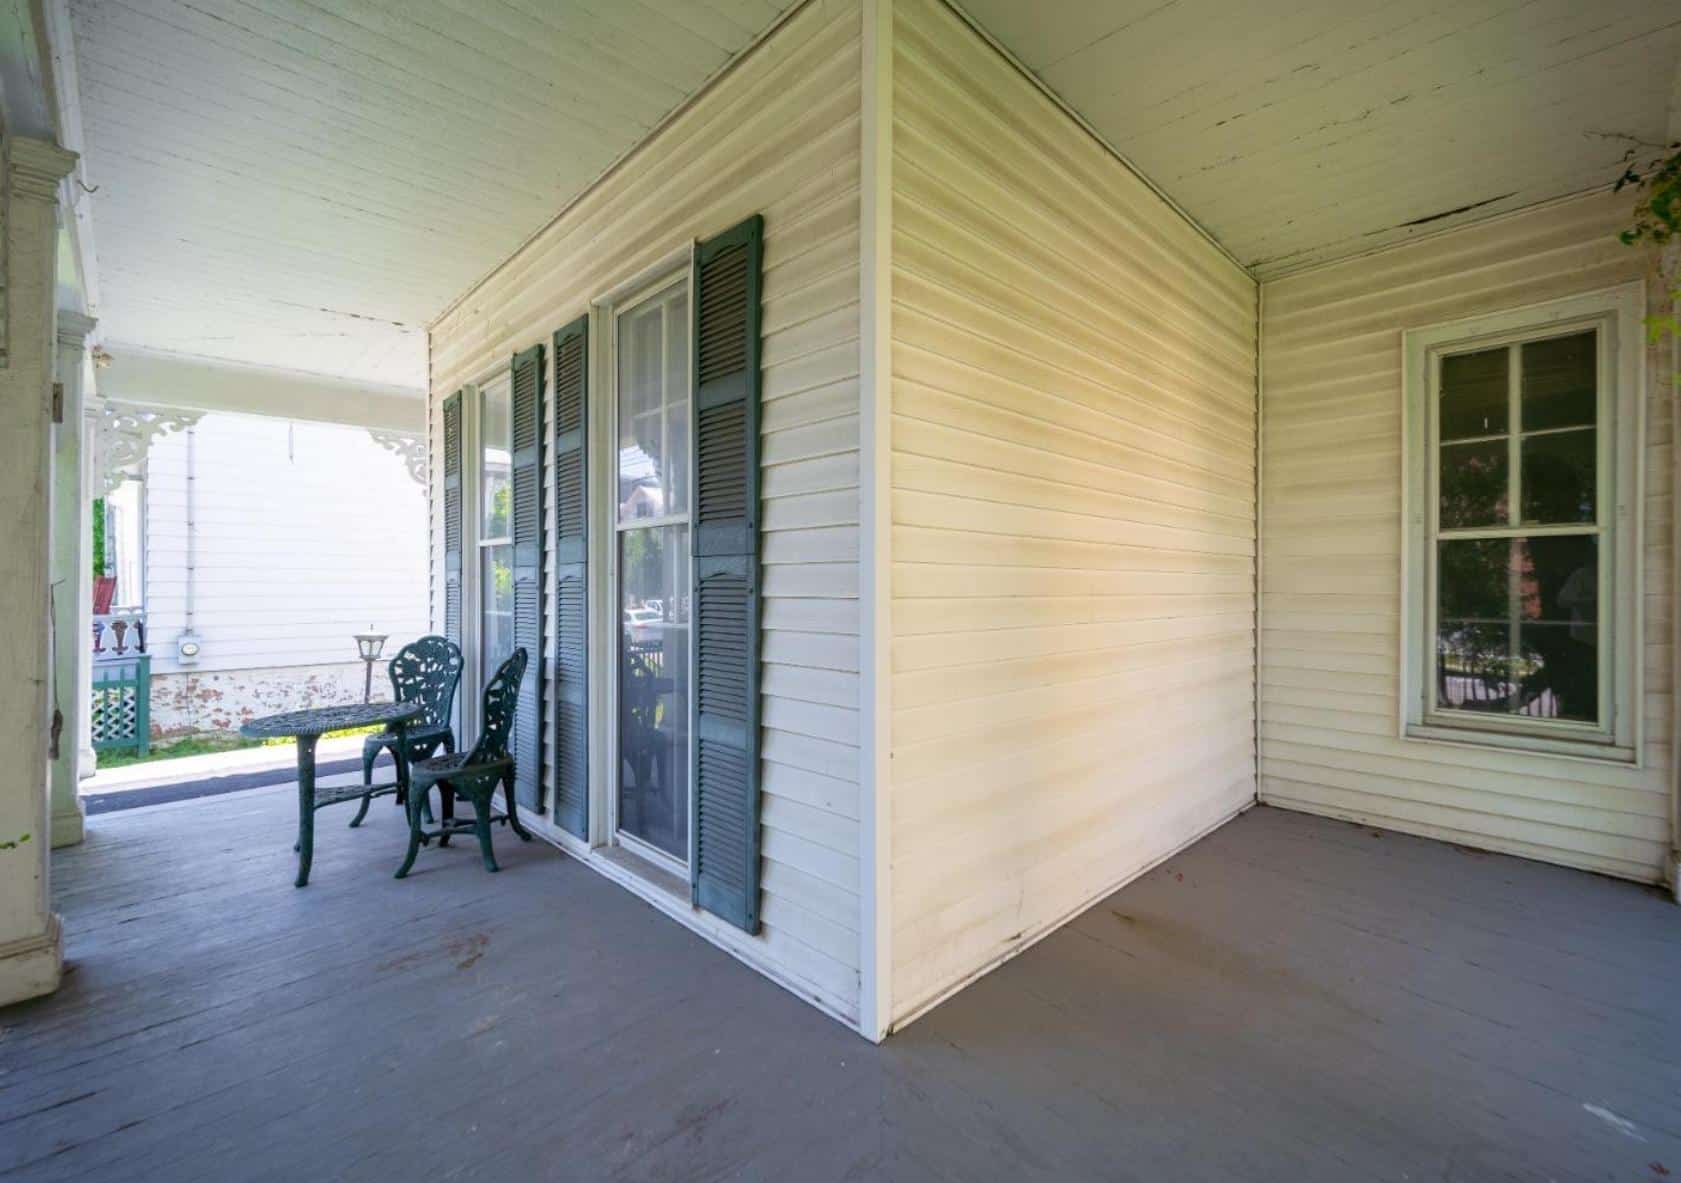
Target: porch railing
column 119, row 633
column 121, row 711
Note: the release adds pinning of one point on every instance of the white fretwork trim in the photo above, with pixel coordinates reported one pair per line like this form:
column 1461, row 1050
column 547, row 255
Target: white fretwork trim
column 411, row 447
column 122, row 433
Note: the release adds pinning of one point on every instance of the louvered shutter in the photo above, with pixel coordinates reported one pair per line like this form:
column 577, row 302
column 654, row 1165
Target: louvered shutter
column 452, row 517
column 724, row 840
column 571, row 689
column 525, row 404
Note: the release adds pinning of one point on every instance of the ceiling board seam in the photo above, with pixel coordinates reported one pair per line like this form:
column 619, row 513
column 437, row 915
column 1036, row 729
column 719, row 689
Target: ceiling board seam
column 1021, row 68
column 1428, row 235
column 624, row 157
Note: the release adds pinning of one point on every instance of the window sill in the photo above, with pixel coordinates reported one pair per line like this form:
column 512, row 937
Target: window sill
column 1591, row 751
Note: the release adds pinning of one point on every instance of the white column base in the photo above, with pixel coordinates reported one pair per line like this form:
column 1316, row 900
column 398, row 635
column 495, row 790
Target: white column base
column 31, row 967
column 69, row 827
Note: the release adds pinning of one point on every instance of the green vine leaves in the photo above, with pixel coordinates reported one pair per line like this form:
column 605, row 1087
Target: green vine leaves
column 1656, row 224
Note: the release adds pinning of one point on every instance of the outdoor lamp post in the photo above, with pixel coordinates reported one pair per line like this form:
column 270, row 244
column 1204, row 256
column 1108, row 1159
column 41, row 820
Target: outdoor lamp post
column 369, row 646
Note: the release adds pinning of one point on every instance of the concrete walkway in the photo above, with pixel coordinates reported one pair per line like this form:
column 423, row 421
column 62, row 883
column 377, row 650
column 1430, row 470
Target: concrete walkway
column 153, row 773
column 161, row 782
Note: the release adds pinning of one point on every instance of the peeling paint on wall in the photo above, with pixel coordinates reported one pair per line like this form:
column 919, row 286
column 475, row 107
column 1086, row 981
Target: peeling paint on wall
column 205, row 701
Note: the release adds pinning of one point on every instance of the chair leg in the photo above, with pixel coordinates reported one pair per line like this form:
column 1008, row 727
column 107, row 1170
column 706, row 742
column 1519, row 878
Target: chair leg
column 369, row 755
column 513, row 810
column 481, row 825
column 362, row 809
column 446, row 810
column 414, row 833
column 426, row 798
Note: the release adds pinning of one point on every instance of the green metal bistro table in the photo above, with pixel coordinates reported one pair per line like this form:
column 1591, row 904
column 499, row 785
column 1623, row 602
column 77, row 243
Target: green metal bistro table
column 309, row 726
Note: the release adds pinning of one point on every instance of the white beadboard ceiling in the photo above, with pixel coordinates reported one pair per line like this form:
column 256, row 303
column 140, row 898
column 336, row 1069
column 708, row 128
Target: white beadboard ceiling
column 305, row 184
column 1317, row 129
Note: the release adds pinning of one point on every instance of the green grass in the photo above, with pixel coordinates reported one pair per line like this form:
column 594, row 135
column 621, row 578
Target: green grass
column 193, row 745
column 204, row 745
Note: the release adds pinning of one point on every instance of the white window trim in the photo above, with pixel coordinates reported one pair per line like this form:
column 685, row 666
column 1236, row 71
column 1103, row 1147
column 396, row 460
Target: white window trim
column 603, row 441
column 471, row 686
column 1617, row 313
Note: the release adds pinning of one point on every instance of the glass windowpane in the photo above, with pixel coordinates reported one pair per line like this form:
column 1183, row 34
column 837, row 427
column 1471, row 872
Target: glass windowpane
column 1473, row 580
column 1474, row 395
column 1560, row 472
column 497, row 584
column 496, row 459
column 1518, row 626
column 1473, row 484
column 1473, row 667
column 653, row 775
column 1560, row 382
column 653, row 379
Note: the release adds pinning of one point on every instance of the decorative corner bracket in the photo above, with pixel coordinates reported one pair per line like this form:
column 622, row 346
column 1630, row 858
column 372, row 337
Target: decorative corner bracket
column 407, row 445
column 122, row 435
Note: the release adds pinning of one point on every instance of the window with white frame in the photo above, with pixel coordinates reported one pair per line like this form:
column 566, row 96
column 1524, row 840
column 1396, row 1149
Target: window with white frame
column 1522, row 556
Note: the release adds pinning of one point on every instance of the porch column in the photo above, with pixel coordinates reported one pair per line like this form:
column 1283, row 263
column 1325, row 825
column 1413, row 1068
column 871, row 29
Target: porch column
column 30, row 950
column 72, row 583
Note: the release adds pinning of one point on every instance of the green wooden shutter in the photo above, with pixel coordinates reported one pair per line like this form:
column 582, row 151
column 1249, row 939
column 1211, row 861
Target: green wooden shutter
column 452, row 517
column 525, row 404
column 724, row 840
column 571, row 419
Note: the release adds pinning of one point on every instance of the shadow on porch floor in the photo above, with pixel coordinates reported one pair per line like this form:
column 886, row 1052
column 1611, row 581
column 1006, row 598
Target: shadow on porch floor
column 1290, row 999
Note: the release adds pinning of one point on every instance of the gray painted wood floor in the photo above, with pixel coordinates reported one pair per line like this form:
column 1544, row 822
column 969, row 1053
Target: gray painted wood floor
column 1291, row 999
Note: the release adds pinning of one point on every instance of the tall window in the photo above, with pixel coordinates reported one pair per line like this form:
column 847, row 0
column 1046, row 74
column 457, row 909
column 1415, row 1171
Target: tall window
column 496, row 551
column 1524, row 540
column 651, row 345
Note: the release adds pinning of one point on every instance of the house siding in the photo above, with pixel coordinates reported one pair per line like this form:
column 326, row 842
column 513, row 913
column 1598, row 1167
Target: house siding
column 1332, row 475
column 777, row 135
column 1073, row 516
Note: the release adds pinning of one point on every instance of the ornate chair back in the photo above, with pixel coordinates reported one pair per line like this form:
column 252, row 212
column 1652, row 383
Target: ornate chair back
column 428, row 671
column 501, row 696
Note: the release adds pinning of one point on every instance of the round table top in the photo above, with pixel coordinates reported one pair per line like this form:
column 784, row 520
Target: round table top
column 320, row 720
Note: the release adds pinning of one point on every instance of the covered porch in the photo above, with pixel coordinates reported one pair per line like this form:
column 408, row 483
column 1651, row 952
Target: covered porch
column 1292, row 998
column 1082, row 709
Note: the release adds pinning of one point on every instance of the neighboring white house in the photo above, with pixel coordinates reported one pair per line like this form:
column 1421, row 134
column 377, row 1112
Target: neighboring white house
column 268, row 543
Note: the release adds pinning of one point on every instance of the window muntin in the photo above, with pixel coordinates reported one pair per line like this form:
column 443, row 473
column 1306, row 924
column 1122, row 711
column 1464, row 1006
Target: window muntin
column 1521, row 543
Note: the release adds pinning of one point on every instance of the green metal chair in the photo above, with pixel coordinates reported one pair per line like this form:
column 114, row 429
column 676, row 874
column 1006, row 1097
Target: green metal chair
column 473, row 775
column 426, row 671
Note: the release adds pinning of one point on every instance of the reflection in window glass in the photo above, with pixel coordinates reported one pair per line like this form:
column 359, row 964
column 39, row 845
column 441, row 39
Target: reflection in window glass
column 496, row 458
column 1475, row 394
column 1517, row 628
column 1560, row 474
column 1473, row 484
column 1560, row 382
column 496, row 638
column 653, row 377
column 654, row 687
column 1517, row 612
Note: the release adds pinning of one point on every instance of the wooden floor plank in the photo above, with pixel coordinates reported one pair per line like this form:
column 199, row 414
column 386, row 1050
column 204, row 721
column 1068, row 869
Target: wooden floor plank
column 1291, row 999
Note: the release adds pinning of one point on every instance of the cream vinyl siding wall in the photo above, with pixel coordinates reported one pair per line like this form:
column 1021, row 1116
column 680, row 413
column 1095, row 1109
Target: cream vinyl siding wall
column 1332, row 558
column 1073, row 526
column 777, row 135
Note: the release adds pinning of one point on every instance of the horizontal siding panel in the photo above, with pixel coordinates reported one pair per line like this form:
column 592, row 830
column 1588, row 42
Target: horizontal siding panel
column 1331, row 520
column 1073, row 516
